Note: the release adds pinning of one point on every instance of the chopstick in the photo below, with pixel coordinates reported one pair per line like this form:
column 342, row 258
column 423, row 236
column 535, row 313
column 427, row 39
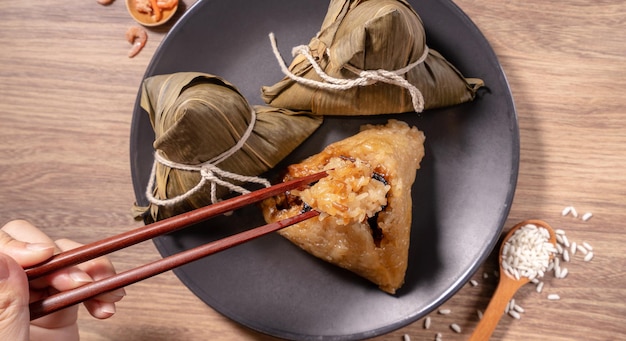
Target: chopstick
column 68, row 298
column 135, row 236
column 105, row 246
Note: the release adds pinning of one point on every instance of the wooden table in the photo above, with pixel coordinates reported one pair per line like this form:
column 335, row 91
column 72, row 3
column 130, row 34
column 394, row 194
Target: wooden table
column 67, row 90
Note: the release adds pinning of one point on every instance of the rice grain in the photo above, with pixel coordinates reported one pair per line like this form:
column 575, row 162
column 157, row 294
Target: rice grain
column 588, row 257
column 514, row 314
column 539, row 287
column 427, row 323
column 587, row 216
column 456, row 328
column 587, row 246
column 557, row 272
column 554, row 297
column 559, row 238
column 444, row 311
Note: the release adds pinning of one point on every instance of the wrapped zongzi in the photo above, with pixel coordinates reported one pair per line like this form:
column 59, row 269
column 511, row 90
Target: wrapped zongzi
column 209, row 140
column 370, row 57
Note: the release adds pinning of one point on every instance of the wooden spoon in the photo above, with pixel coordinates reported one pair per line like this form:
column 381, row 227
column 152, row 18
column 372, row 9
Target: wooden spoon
column 507, row 287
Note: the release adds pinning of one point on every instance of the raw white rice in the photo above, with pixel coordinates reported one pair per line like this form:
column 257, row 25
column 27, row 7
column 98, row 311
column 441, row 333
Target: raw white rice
column 518, row 308
column 527, row 253
column 557, row 263
column 566, row 255
column 565, row 241
column 566, row 211
column 587, row 246
column 588, row 256
column 485, row 275
column 573, row 248
column 559, row 238
column 563, row 273
column 456, row 328
column 515, row 314
column 479, row 313
column 427, row 323
column 554, row 297
column 582, row 249
column 473, row 282
column 573, row 211
column 539, row 287
column 559, row 249
column 587, row 216
column 444, row 311
column 406, row 337
column 438, row 337
column 511, row 304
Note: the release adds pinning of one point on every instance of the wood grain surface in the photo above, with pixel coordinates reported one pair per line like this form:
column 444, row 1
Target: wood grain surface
column 67, row 89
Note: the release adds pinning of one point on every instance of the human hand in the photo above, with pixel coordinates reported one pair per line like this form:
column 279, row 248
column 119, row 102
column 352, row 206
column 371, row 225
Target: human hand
column 23, row 245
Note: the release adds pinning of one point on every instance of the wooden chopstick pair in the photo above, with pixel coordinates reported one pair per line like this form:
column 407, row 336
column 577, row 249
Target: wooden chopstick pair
column 105, row 246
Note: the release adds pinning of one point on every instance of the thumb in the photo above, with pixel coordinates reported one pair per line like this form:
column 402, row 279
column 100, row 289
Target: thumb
column 14, row 314
column 26, row 254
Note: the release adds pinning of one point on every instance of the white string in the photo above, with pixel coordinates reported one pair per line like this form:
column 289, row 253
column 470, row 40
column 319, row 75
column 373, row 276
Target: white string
column 366, row 77
column 209, row 172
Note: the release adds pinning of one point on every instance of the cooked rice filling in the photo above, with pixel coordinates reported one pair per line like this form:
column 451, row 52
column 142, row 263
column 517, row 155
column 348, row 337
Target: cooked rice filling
column 350, row 193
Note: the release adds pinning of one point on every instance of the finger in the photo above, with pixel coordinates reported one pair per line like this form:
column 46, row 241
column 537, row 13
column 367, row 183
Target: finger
column 25, row 243
column 14, row 314
column 60, row 320
column 61, row 280
column 101, row 306
column 25, row 231
column 98, row 269
column 99, row 309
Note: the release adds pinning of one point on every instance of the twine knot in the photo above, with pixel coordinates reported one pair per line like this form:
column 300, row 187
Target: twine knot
column 209, row 173
column 365, row 77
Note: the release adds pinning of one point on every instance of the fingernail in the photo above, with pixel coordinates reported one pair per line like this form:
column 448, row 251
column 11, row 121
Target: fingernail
column 108, row 308
column 119, row 293
column 39, row 246
column 80, row 277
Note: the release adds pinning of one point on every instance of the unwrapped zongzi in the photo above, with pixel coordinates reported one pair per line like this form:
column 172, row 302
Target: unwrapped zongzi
column 365, row 202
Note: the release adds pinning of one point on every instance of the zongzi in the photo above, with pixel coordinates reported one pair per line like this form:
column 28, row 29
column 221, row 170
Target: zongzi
column 364, row 203
column 209, row 140
column 370, row 57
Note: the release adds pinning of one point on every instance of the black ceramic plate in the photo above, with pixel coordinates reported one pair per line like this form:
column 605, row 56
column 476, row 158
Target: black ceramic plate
column 461, row 195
